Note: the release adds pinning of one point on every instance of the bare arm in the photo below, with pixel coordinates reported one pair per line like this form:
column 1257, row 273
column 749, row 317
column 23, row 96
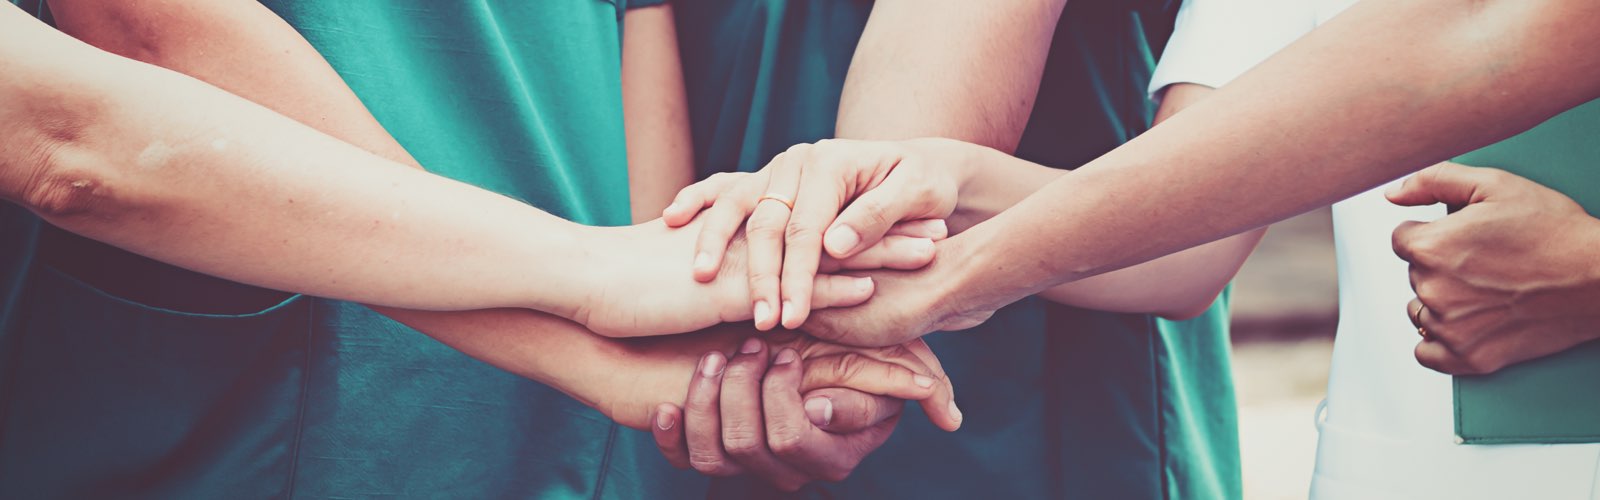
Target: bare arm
column 656, row 111
column 234, row 43
column 948, row 68
column 971, row 71
column 1180, row 285
column 152, row 161
column 1368, row 97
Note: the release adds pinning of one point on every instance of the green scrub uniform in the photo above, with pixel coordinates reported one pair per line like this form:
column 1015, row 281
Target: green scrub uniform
column 1059, row 402
column 107, row 396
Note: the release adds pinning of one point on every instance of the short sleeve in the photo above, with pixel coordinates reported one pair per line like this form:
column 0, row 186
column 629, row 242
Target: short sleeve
column 1215, row 41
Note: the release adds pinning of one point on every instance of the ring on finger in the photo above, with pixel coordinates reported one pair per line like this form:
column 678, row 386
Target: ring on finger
column 1421, row 330
column 778, row 198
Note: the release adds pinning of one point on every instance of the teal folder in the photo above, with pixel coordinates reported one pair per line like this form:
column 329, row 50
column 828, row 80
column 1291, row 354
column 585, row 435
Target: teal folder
column 1555, row 399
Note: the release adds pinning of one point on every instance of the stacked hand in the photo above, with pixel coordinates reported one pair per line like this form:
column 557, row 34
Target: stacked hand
column 1513, row 275
column 855, row 204
column 646, row 286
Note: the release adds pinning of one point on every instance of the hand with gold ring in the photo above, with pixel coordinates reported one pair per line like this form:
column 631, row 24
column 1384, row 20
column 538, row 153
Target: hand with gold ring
column 1416, row 318
column 893, row 229
column 1513, row 274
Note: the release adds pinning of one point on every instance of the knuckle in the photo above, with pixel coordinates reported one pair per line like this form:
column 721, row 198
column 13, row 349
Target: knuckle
column 740, row 372
column 802, row 233
column 764, row 228
column 706, row 462
column 784, row 440
column 740, row 440
column 800, row 151
column 848, row 366
column 877, row 212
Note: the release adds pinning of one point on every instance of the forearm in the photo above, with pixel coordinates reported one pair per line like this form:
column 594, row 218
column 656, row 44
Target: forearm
column 656, row 111
column 1180, row 285
column 233, row 44
column 948, row 68
column 1320, row 121
column 153, row 162
column 624, row 379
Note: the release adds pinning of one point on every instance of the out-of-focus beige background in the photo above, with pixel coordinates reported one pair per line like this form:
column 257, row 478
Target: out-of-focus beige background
column 1284, row 312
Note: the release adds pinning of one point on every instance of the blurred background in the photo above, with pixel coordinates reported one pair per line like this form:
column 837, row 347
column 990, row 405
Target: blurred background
column 1284, row 312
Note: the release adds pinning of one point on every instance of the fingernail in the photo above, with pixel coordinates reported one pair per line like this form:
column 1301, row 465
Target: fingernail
column 762, row 311
column 702, row 260
column 922, row 381
column 841, row 240
column 864, row 284
column 955, row 412
column 711, row 365
column 751, row 346
column 1393, row 190
column 820, row 411
column 788, row 312
column 923, row 246
column 671, row 207
column 664, row 420
column 939, row 226
column 786, row 356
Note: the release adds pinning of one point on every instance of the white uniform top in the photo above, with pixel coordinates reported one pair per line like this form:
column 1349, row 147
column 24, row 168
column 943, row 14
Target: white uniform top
column 1388, row 430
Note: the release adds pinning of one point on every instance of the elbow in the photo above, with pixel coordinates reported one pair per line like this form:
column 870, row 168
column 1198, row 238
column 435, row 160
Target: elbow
column 59, row 187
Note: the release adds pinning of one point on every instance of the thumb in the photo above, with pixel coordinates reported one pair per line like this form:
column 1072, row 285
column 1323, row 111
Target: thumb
column 872, row 214
column 844, row 411
column 1448, row 183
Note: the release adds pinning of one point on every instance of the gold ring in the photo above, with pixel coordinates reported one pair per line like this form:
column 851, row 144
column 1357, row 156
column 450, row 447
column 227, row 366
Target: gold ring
column 1418, row 315
column 778, row 198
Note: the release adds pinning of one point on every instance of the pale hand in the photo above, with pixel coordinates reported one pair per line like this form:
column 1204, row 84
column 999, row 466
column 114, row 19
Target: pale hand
column 851, row 200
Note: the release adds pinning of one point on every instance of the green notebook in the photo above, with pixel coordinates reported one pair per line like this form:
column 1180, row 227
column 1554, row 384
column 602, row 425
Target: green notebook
column 1555, row 399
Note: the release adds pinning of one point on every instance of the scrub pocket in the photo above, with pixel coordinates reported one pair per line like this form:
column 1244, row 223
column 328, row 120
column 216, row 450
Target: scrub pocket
column 112, row 398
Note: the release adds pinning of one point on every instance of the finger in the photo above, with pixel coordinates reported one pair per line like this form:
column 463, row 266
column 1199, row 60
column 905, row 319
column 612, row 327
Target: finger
column 934, row 229
column 702, row 422
column 843, row 411
column 764, row 237
column 817, row 201
column 669, row 434
column 871, row 375
column 941, row 408
column 721, row 222
column 696, row 197
column 871, row 214
column 1435, row 356
column 744, row 430
column 1449, row 183
column 1414, row 310
column 1404, row 239
column 892, row 252
column 831, row 290
column 790, row 432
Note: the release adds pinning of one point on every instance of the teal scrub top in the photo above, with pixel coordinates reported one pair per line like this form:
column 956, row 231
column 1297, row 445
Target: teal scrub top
column 1060, row 402
column 105, row 396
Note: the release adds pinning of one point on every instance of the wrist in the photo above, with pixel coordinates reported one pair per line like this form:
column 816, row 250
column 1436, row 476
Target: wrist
column 584, row 278
column 658, row 370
